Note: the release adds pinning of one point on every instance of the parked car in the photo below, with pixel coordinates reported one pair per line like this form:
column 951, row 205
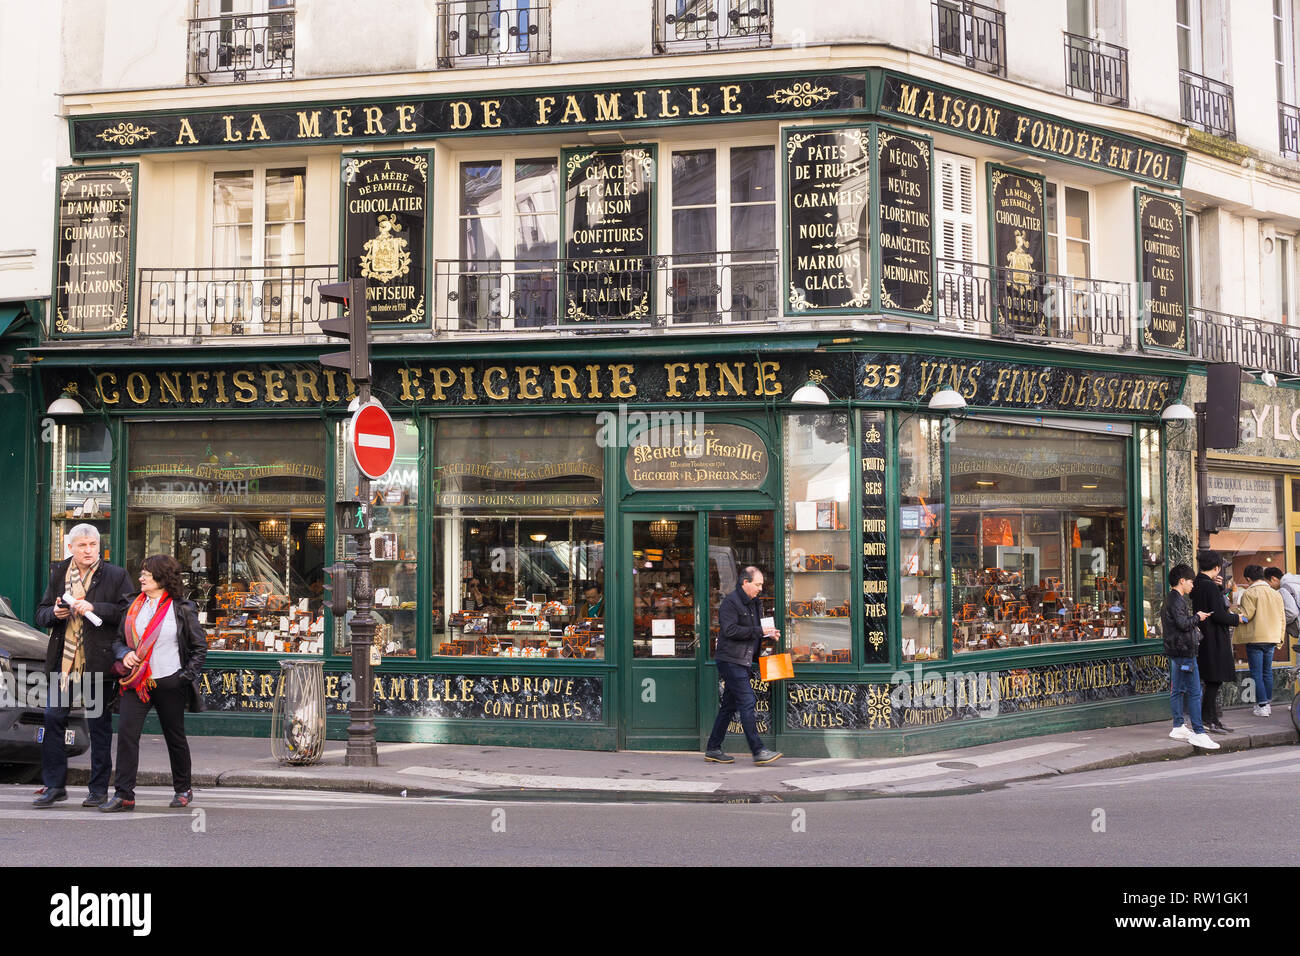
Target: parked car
column 22, row 721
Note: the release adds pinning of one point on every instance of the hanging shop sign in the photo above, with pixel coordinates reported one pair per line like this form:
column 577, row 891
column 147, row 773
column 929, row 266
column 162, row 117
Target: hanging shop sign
column 875, row 539
column 384, row 208
column 416, row 118
column 92, row 250
column 905, row 204
column 697, row 457
column 1162, row 272
column 554, row 699
column 1004, row 124
column 996, row 384
column 1017, row 236
column 827, row 249
column 608, row 198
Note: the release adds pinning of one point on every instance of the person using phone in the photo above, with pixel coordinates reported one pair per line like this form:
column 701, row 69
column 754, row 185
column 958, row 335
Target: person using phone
column 1181, row 637
column 1214, row 656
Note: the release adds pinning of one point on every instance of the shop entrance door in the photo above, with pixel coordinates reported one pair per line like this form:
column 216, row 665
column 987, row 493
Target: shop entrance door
column 679, row 567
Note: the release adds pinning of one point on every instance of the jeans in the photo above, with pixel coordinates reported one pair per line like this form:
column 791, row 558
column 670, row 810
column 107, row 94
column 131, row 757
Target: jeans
column 1260, row 657
column 54, row 754
column 1185, row 682
column 169, row 698
column 737, row 698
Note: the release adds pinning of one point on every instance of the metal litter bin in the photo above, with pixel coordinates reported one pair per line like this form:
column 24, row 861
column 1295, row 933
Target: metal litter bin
column 298, row 714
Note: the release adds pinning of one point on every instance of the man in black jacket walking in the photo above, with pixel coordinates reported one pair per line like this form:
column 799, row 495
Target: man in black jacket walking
column 82, row 589
column 740, row 631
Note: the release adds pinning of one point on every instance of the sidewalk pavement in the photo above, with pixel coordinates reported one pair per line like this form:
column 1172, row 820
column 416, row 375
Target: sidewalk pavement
column 424, row 770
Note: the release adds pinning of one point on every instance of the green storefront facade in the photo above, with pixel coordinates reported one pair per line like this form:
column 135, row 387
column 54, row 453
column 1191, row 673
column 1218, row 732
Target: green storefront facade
column 577, row 487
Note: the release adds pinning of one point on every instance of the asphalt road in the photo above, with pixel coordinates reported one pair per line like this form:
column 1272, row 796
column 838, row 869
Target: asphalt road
column 1238, row 809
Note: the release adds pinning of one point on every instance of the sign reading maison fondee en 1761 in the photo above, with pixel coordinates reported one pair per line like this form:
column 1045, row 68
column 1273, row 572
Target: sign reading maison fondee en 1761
column 385, row 201
column 416, row 118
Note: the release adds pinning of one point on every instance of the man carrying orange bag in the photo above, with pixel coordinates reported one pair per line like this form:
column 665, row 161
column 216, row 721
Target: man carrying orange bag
column 740, row 632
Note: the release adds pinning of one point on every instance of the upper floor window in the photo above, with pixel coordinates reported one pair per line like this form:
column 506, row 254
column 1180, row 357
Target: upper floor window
column 1096, row 61
column 259, row 217
column 493, row 32
column 971, row 33
column 1206, row 97
column 234, row 41
column 690, row 26
column 1069, row 231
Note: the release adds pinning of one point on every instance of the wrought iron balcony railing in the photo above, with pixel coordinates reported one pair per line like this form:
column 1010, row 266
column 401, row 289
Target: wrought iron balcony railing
column 1253, row 343
column 237, row 48
column 970, row 33
column 490, row 33
column 519, row 295
column 1207, row 104
column 685, row 26
column 1288, row 130
column 985, row 300
column 1096, row 69
column 219, row 303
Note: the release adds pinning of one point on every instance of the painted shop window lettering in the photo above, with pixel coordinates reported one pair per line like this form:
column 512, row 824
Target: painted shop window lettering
column 241, row 506
column 518, row 562
column 81, row 477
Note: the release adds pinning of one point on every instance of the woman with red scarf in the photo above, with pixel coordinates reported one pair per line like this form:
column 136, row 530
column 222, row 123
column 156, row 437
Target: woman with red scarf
column 162, row 645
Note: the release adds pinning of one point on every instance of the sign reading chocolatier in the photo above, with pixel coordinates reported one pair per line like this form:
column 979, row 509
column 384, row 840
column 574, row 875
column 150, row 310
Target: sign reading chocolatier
column 1162, row 274
column 1017, row 235
column 385, row 201
column 906, row 217
column 828, row 252
column 92, row 250
column 608, row 198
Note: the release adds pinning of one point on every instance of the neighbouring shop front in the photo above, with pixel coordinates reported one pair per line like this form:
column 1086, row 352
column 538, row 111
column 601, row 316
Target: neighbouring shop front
column 1261, row 479
column 557, row 532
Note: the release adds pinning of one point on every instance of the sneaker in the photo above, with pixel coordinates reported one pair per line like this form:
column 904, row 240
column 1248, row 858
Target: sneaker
column 1203, row 741
column 717, row 756
column 766, row 756
column 182, row 799
column 1258, row 711
column 1181, row 732
column 1268, row 710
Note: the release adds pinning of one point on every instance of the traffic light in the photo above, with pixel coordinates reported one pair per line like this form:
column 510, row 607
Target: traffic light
column 353, row 327
column 336, row 589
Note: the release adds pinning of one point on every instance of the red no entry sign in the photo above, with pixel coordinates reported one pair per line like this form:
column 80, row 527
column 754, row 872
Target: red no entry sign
column 373, row 440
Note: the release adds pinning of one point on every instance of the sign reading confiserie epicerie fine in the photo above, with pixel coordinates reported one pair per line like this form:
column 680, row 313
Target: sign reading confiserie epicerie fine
column 92, row 250
column 608, row 203
column 903, row 172
column 385, row 202
column 1017, row 223
column 437, row 696
column 1162, row 272
column 719, row 456
column 828, row 252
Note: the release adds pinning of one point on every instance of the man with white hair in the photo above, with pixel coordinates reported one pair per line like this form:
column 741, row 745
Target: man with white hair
column 82, row 607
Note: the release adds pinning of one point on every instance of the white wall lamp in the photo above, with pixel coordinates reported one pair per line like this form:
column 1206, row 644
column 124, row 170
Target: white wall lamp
column 947, row 400
column 65, row 404
column 812, row 392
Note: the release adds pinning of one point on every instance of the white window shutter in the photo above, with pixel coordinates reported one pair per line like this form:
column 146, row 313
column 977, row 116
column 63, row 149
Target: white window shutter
column 957, row 221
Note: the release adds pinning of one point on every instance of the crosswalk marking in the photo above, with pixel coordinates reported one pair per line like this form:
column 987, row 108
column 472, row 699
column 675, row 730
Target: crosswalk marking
column 931, row 768
column 1202, row 767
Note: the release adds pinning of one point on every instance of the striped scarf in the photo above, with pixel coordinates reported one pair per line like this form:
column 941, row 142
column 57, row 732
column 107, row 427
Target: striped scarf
column 74, row 652
column 141, row 679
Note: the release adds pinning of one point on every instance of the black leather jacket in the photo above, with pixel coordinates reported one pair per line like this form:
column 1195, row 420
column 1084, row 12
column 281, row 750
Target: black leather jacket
column 110, row 593
column 192, row 643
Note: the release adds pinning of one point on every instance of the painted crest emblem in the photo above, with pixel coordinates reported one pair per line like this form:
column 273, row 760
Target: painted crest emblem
column 1021, row 262
column 385, row 257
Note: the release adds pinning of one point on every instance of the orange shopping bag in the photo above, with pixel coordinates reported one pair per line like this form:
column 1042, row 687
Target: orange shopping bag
column 776, row 667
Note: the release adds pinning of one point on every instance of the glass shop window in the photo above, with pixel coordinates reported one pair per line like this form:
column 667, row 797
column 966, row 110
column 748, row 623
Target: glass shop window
column 519, row 538
column 241, row 506
column 81, row 491
column 1039, row 531
column 921, row 530
column 394, row 542
column 1154, row 580
column 818, row 579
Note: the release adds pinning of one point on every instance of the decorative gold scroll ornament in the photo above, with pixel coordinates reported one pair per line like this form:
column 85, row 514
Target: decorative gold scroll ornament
column 802, row 95
column 126, row 134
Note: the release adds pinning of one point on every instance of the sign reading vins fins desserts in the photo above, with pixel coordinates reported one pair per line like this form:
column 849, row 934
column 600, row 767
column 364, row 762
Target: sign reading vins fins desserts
column 92, row 260
column 1162, row 275
column 1017, row 219
column 875, row 538
column 828, row 258
column 906, row 215
column 385, row 199
column 608, row 196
